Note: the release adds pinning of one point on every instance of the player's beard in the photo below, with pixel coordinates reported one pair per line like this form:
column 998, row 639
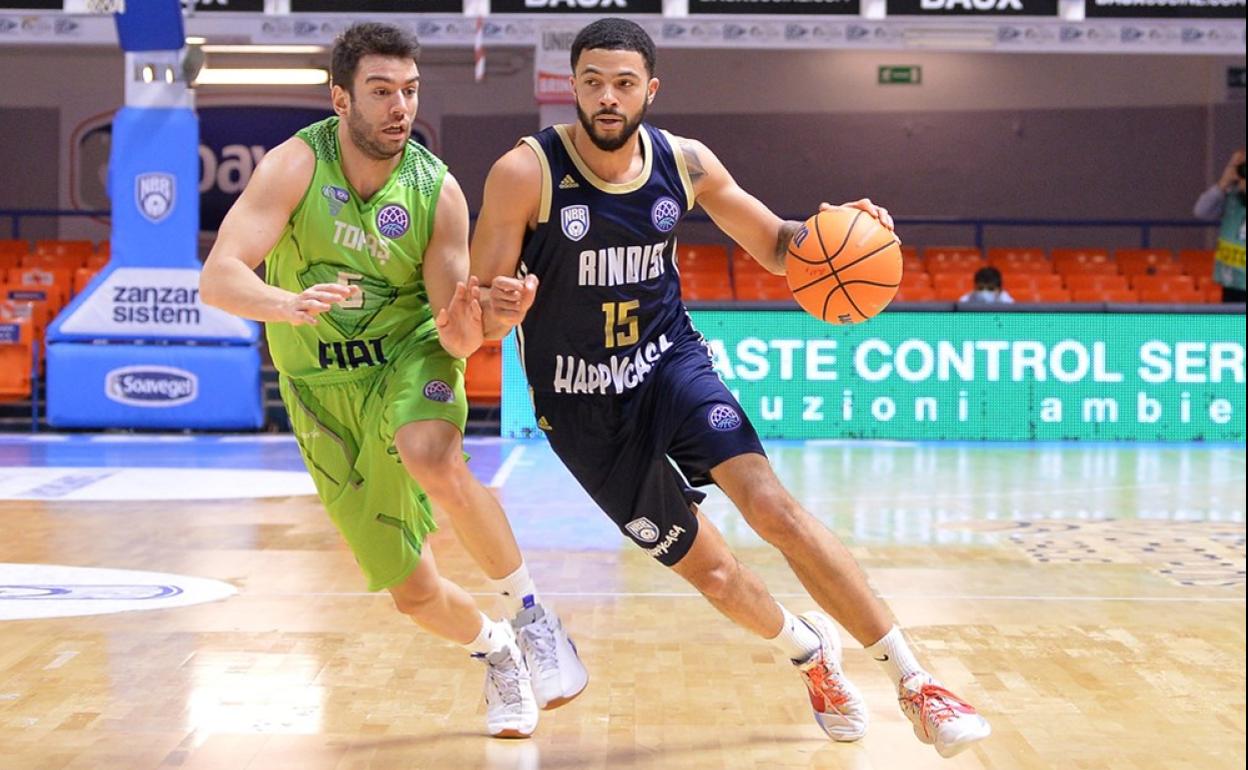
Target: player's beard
column 608, row 144
column 361, row 133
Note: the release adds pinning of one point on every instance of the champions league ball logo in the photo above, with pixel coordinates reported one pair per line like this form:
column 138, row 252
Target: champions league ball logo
column 154, row 195
column 723, row 418
column 665, row 213
column 393, row 221
column 437, row 390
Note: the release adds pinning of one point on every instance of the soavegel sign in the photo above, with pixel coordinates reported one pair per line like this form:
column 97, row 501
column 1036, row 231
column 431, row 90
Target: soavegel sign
column 151, row 386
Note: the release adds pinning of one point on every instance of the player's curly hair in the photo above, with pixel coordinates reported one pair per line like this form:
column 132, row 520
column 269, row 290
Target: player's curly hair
column 360, row 40
column 614, row 34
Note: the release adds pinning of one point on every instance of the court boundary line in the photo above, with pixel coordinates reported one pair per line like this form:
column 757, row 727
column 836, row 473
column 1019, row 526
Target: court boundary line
column 504, row 471
column 889, row 597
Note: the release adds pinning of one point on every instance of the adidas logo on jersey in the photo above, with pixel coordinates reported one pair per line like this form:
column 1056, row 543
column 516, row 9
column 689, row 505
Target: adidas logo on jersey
column 568, row 183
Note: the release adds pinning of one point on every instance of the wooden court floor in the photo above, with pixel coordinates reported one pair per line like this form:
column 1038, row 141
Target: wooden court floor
column 1089, row 599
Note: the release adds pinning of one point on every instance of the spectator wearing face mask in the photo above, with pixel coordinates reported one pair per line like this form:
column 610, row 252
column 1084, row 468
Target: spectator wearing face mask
column 1226, row 200
column 987, row 287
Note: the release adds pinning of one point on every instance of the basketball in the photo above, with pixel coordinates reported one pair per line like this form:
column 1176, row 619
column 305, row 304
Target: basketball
column 843, row 266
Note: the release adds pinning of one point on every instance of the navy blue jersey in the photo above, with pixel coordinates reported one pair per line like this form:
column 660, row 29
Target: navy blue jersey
column 608, row 306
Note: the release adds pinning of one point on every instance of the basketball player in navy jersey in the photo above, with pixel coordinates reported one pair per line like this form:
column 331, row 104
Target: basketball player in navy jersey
column 576, row 242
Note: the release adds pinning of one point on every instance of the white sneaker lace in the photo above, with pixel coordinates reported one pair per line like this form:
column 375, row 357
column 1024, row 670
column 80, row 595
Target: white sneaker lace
column 539, row 636
column 504, row 675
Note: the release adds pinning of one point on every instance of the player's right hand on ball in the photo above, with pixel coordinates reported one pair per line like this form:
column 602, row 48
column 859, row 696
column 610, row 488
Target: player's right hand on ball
column 304, row 307
column 511, row 298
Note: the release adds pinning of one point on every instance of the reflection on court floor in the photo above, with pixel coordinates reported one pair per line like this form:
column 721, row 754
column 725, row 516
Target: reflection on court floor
column 1089, row 598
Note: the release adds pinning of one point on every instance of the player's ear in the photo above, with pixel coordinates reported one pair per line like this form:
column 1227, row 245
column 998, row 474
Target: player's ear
column 652, row 88
column 341, row 100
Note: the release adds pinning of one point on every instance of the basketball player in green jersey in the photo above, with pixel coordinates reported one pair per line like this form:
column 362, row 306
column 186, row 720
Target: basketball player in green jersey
column 369, row 314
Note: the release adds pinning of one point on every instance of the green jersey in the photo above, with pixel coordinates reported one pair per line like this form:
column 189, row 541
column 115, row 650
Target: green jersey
column 378, row 244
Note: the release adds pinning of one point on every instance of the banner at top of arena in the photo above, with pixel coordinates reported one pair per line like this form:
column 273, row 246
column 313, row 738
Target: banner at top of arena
column 1164, row 9
column 608, row 7
column 376, row 6
column 761, row 7
column 972, row 7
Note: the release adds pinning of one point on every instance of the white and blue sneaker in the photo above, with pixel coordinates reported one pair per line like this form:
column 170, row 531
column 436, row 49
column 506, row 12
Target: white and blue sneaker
column 510, row 709
column 557, row 671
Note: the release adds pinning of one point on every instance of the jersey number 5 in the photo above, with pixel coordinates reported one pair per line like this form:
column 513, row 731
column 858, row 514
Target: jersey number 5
column 621, row 314
column 352, row 279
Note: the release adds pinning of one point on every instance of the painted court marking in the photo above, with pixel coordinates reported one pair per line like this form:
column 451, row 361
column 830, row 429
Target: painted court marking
column 121, row 484
column 30, row 591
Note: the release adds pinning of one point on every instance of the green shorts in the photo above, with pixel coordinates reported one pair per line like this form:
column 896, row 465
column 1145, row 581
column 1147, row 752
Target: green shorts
column 346, row 434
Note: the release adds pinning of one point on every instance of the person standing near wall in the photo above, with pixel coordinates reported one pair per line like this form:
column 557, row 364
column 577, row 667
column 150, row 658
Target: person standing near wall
column 1226, row 200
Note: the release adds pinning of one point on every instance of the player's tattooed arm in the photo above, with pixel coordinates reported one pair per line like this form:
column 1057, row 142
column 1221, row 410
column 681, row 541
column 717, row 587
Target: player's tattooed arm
column 693, row 163
column 788, row 229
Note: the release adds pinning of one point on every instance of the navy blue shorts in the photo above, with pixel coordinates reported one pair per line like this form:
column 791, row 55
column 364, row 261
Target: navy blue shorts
column 618, row 448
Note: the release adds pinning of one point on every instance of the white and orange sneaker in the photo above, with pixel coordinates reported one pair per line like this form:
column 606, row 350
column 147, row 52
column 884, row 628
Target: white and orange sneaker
column 839, row 708
column 940, row 718
column 510, row 708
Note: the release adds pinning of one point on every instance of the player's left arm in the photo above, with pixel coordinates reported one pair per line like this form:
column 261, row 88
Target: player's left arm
column 743, row 217
column 454, row 298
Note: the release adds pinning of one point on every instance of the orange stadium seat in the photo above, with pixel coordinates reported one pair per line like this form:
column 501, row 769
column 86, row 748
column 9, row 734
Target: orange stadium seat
column 483, row 374
column 1133, row 261
column 33, row 303
column 1105, row 295
column 1029, row 294
column 1063, row 258
column 12, row 250
column 55, row 285
column 1009, row 255
column 744, row 264
column 915, row 279
column 706, row 286
column 770, row 288
column 1010, row 280
column 1078, row 281
column 915, row 293
column 1015, row 268
column 702, row 258
column 1153, row 283
column 951, row 286
column 16, row 341
column 1196, row 262
column 944, row 259
column 74, row 252
column 1089, row 267
column 1173, row 295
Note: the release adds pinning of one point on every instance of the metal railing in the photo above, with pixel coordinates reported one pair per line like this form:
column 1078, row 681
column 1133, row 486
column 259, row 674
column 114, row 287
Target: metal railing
column 977, row 225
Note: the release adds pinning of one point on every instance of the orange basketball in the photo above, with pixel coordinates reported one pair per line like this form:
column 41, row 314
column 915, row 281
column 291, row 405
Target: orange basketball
column 844, row 266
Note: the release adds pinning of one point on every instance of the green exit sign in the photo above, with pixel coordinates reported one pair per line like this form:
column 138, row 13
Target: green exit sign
column 910, row 75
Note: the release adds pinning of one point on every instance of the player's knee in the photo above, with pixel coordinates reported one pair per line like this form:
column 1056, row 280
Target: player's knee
column 716, row 581
column 414, row 596
column 431, row 466
column 776, row 517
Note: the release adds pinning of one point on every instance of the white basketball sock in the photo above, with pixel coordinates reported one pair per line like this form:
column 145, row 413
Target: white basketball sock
column 894, row 654
column 515, row 589
column 492, row 638
column 796, row 639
